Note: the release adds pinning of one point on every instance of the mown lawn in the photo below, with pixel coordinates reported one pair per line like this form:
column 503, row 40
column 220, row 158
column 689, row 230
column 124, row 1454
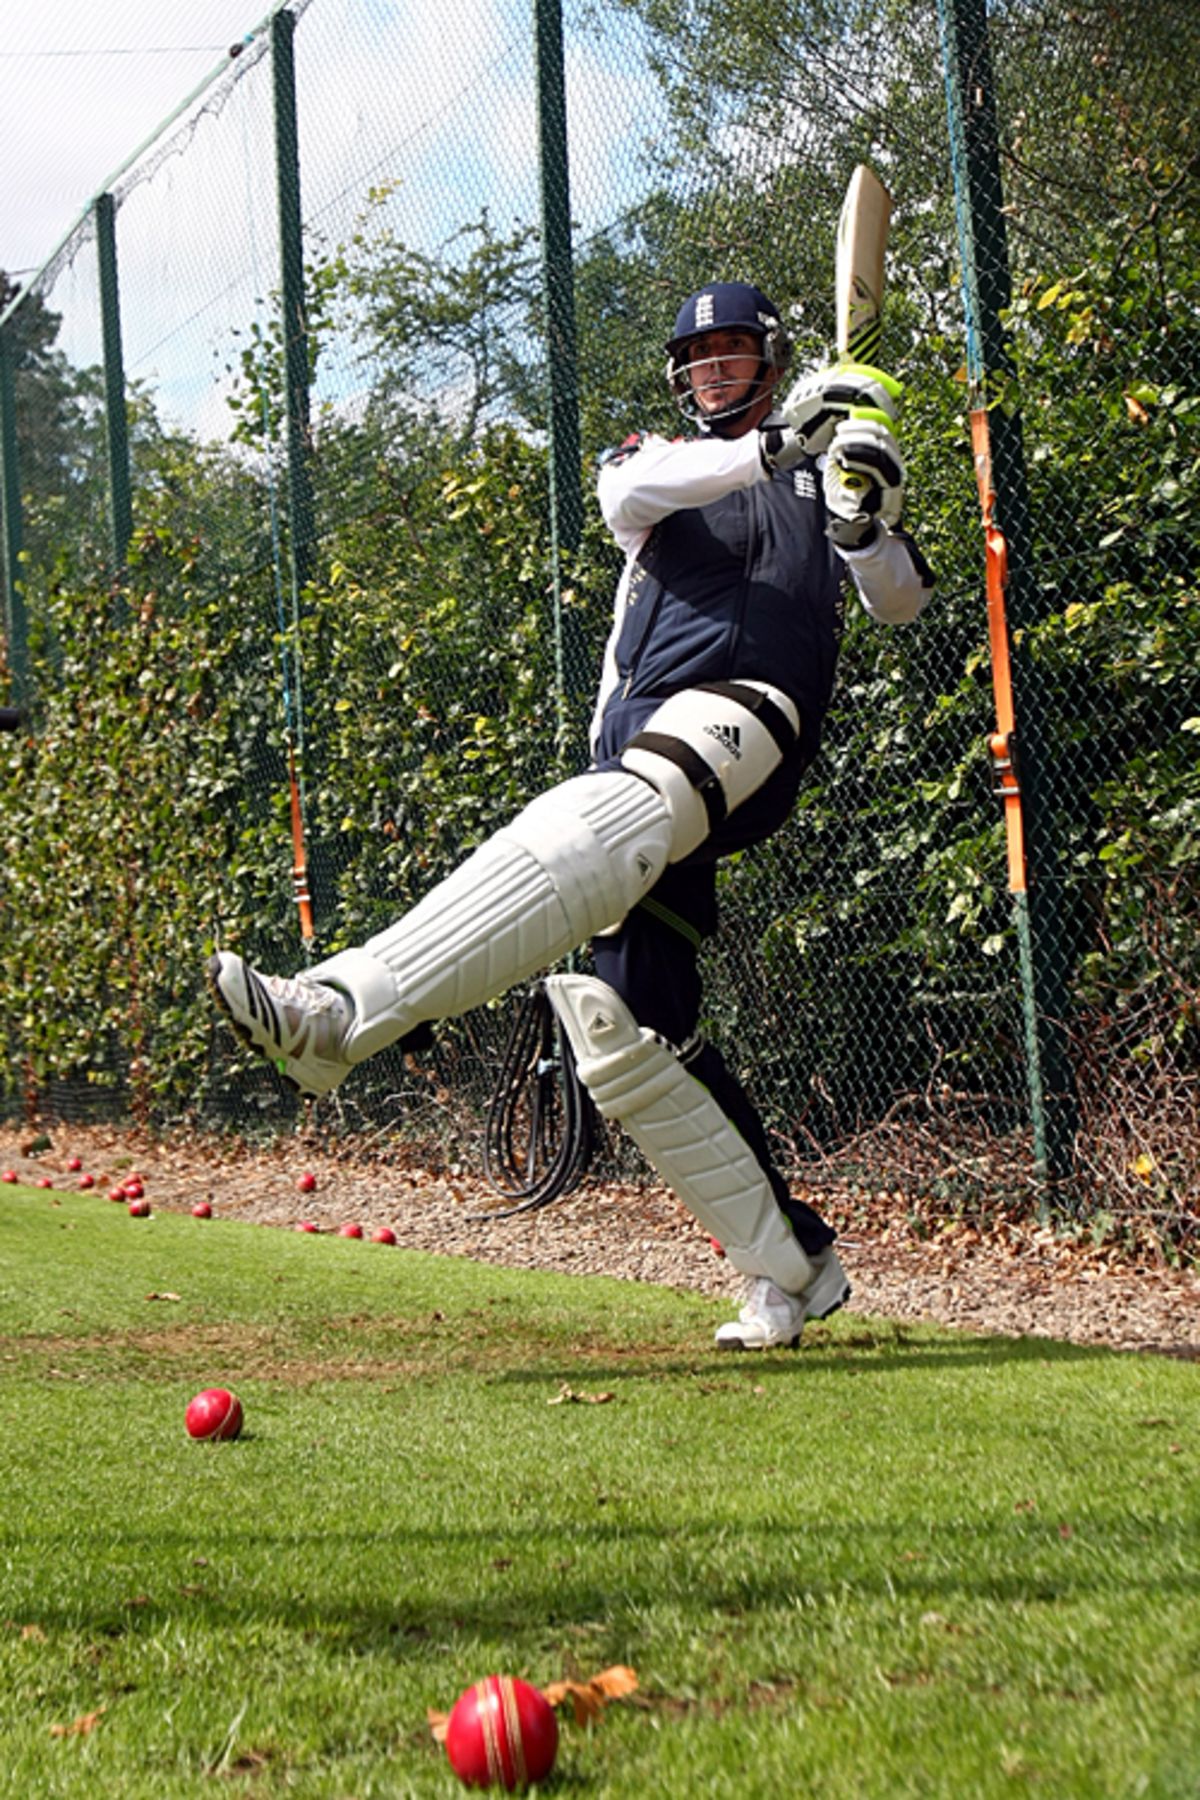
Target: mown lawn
column 902, row 1562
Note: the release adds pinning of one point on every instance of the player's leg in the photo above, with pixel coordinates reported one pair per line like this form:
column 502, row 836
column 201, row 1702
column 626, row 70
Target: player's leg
column 571, row 864
column 691, row 1119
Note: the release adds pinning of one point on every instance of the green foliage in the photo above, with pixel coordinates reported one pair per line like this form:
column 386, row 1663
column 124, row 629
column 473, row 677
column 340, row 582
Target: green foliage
column 120, row 827
column 436, row 715
column 148, row 818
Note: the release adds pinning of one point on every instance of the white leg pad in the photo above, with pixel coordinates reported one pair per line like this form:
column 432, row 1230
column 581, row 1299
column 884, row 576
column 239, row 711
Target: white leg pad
column 569, row 865
column 636, row 1079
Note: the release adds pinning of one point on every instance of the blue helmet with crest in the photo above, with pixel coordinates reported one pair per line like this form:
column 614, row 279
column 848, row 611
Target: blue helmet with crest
column 726, row 306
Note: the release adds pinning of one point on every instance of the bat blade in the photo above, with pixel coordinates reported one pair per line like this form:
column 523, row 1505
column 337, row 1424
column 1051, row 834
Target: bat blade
column 861, row 242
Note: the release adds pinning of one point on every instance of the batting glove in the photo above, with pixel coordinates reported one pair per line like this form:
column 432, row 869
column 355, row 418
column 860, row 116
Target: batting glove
column 778, row 445
column 820, row 401
column 864, row 479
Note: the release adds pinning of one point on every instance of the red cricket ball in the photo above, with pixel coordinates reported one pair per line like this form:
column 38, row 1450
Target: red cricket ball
column 117, row 1193
column 202, row 1210
column 308, row 1225
column 9, row 1175
column 87, row 1181
column 139, row 1209
column 44, row 1181
column 214, row 1413
column 133, row 1187
column 383, row 1234
column 75, row 1163
column 306, row 1183
column 350, row 1230
column 502, row 1733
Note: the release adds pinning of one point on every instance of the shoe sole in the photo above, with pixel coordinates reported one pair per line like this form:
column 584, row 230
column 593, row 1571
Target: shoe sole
column 212, row 969
column 741, row 1344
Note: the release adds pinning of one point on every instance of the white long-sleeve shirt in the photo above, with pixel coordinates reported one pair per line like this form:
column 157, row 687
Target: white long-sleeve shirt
column 653, row 478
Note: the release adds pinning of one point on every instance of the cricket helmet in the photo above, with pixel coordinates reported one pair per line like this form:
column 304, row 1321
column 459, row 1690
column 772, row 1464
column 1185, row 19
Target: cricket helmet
column 726, row 306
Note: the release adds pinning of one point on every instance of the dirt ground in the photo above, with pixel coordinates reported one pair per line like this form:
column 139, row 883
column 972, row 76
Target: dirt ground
column 1010, row 1278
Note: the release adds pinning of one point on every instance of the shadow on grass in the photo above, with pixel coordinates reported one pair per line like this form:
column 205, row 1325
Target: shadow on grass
column 561, row 1573
column 854, row 1350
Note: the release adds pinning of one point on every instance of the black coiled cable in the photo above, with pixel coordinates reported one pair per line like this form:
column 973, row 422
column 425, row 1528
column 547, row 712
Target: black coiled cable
column 541, row 1124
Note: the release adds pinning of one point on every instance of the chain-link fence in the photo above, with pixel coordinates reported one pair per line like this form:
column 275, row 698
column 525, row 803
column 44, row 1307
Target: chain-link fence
column 322, row 601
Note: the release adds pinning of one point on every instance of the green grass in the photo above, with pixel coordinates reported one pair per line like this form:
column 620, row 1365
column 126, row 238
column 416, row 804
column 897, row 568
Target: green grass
column 905, row 1562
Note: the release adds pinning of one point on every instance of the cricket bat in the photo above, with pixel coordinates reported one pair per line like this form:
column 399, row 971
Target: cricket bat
column 861, row 242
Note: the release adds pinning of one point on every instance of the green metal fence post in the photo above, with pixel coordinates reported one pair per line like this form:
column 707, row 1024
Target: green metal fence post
column 15, row 627
column 295, row 313
column 115, row 421
column 558, row 287
column 312, row 877
column 987, row 292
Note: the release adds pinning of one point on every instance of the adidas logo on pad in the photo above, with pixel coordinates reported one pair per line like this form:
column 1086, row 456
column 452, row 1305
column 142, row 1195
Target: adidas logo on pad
column 728, row 736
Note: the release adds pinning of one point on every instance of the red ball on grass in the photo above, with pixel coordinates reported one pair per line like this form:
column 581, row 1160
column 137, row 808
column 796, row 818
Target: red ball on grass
column 139, row 1209
column 383, row 1234
column 350, row 1230
column 202, row 1210
column 214, row 1413
column 9, row 1175
column 502, row 1733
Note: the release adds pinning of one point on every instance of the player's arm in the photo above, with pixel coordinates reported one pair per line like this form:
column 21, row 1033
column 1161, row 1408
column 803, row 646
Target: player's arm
column 865, row 485
column 650, row 477
column 893, row 581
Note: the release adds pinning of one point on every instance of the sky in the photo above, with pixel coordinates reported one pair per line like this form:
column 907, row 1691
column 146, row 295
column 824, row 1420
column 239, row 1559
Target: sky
column 431, row 101
column 81, row 86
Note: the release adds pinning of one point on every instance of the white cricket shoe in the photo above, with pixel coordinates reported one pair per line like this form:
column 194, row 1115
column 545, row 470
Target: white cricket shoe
column 771, row 1317
column 298, row 1025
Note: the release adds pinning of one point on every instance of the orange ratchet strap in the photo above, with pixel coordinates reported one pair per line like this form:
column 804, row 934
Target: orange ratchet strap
column 1002, row 742
column 300, row 860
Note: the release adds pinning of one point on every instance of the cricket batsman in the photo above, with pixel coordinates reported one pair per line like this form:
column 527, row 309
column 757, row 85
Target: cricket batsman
column 718, row 672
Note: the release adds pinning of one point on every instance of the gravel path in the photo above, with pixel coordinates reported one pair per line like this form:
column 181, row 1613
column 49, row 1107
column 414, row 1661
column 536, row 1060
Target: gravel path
column 1015, row 1281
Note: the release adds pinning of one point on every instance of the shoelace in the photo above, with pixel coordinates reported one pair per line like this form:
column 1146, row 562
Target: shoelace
column 307, row 995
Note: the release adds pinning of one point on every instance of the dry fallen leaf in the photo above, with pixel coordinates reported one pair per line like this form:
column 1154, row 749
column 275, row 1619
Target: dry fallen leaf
column 164, row 1296
column 80, row 1727
column 566, row 1393
column 588, row 1698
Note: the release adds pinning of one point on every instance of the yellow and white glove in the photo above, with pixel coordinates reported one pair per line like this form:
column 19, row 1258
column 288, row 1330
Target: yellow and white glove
column 820, row 400
column 864, row 478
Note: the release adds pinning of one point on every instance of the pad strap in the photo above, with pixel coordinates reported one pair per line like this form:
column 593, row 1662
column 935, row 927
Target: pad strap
column 703, row 778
